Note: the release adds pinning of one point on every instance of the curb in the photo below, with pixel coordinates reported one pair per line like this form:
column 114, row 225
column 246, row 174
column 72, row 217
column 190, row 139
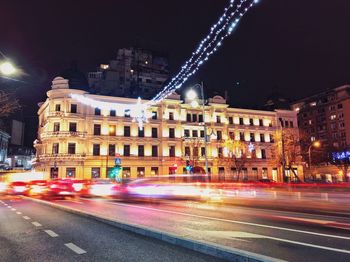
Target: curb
column 219, row 251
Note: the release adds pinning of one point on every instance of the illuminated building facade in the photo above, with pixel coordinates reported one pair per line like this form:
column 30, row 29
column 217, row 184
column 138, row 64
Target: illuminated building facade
column 77, row 140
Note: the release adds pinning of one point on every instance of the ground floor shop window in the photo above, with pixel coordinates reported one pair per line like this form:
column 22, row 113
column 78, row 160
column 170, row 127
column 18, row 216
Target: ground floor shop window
column 140, row 172
column 154, row 171
column 95, row 172
column 221, row 173
column 54, row 172
column 244, row 174
column 264, row 174
column 255, row 175
column 274, row 174
column 70, row 172
column 126, row 172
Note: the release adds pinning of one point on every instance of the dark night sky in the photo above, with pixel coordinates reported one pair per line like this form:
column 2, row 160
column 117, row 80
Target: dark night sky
column 295, row 46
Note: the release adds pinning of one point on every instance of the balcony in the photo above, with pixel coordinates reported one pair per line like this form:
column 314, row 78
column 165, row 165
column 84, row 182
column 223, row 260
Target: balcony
column 48, row 157
column 62, row 134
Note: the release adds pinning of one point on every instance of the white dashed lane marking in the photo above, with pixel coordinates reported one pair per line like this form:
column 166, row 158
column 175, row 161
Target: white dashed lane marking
column 18, row 213
column 13, row 209
column 75, row 248
column 37, row 224
column 51, row 233
column 25, row 217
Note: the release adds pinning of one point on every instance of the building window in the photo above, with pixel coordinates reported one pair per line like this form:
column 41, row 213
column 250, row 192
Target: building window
column 172, row 151
column 72, row 127
column 341, row 124
column 195, row 151
column 127, row 113
column 200, row 118
column 95, row 172
column 73, row 108
column 154, row 114
column 261, row 122
column 126, row 150
column 70, row 172
column 141, row 132
column 187, row 133
column 57, row 107
column 194, row 118
column 154, row 151
column 187, row 151
column 171, row 132
column 96, row 150
column 219, row 135
column 220, row 152
column 71, row 148
column 263, row 154
column 340, row 106
column 112, row 113
column 218, row 119
column 127, row 131
column 262, row 138
column 255, row 173
column 264, row 174
column 171, row 116
column 97, row 111
column 55, row 148
column 126, row 172
column 333, row 117
column 141, row 150
column 230, row 120
column 291, row 124
column 252, row 137
column 202, row 151
column 188, row 117
column 272, row 139
column 154, row 171
column 140, row 172
column 202, row 133
column 56, row 127
column 286, row 123
column 111, row 150
column 241, row 136
column 241, row 121
column 231, row 135
column 112, row 130
column 251, row 122
column 194, row 133
column 97, row 129
column 154, row 132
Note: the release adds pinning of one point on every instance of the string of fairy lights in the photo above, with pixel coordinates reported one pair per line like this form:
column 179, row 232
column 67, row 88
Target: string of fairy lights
column 210, row 44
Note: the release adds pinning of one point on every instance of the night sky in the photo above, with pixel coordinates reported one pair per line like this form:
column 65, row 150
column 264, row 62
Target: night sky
column 295, row 47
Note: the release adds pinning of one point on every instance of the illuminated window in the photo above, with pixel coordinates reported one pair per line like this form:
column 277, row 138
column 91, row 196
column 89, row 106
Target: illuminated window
column 140, row 172
column 154, row 115
column 95, row 172
column 333, row 117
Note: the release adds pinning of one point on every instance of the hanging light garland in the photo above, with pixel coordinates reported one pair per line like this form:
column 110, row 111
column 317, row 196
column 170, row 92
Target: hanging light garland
column 208, row 46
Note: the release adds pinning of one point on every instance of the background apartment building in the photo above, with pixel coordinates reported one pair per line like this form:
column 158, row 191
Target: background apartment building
column 134, row 72
column 77, row 140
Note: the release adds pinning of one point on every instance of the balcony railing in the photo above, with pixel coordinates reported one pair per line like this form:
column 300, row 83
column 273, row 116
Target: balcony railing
column 62, row 134
column 44, row 157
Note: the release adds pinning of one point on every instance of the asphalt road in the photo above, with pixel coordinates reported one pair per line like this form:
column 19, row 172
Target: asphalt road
column 31, row 231
column 284, row 235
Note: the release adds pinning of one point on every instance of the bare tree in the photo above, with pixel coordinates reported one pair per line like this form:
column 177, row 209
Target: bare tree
column 237, row 154
column 341, row 159
column 8, row 104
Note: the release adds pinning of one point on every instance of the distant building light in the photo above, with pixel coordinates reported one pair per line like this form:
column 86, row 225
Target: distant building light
column 297, row 109
column 146, row 62
column 104, row 66
column 313, row 104
column 131, row 71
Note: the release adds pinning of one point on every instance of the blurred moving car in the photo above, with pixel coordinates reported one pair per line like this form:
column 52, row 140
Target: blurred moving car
column 37, row 187
column 100, row 188
column 17, row 188
column 3, row 188
column 59, row 188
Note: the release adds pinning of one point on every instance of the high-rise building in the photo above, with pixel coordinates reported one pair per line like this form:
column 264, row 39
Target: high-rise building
column 135, row 72
column 326, row 117
column 78, row 140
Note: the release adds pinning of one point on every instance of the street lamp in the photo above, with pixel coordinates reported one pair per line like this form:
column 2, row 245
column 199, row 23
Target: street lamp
column 7, row 68
column 315, row 144
column 192, row 95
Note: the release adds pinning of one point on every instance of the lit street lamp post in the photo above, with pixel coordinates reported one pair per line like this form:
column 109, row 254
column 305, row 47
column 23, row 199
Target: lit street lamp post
column 313, row 144
column 192, row 95
column 7, row 68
